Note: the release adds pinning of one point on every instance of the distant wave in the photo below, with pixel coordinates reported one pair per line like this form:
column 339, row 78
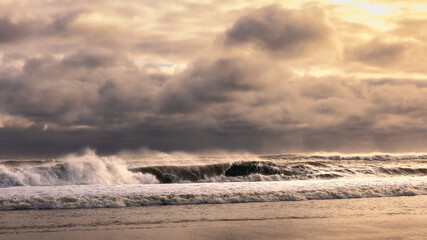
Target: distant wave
column 269, row 171
column 341, row 156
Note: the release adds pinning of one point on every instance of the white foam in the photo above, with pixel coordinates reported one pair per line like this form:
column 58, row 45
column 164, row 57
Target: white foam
column 87, row 168
column 95, row 196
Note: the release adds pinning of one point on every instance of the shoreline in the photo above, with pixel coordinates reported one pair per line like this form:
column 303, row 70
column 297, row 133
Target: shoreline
column 392, row 227
column 364, row 218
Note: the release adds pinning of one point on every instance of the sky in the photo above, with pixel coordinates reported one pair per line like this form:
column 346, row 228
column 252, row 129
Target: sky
column 202, row 76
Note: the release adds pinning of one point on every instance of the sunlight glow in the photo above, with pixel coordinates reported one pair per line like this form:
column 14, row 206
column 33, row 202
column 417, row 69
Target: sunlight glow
column 374, row 9
column 419, row 7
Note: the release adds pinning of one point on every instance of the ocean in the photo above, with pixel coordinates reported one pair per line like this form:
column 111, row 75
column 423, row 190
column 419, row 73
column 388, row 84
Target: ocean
column 88, row 180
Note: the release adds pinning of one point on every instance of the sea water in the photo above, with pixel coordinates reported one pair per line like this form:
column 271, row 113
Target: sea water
column 88, row 180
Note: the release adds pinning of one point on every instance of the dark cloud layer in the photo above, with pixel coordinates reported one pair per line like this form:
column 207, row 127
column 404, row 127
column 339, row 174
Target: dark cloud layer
column 10, row 31
column 274, row 79
column 275, row 29
column 207, row 83
column 380, row 53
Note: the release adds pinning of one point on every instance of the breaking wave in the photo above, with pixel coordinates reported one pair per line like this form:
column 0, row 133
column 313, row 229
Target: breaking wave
column 73, row 169
column 269, row 171
column 89, row 168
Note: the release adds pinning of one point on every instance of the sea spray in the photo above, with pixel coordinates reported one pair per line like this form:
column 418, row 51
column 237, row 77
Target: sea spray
column 74, row 169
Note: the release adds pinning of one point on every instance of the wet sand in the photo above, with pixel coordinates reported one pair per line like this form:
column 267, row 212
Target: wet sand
column 366, row 218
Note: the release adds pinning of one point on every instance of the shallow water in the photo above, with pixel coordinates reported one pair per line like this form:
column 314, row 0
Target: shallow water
column 363, row 218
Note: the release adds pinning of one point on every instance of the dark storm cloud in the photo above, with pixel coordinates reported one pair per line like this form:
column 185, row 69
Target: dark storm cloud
column 61, row 22
column 396, row 82
column 89, row 59
column 88, row 88
column 59, row 91
column 405, row 100
column 108, row 141
column 224, row 101
column 377, row 52
column 208, row 82
column 15, row 31
column 221, row 107
column 323, row 89
column 10, row 31
column 167, row 47
column 129, row 103
column 278, row 29
column 42, row 100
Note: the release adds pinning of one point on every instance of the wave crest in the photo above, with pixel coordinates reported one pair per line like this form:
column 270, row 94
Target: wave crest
column 73, row 169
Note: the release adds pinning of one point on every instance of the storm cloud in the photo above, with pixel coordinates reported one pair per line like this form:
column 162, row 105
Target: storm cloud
column 10, row 31
column 277, row 29
column 266, row 78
